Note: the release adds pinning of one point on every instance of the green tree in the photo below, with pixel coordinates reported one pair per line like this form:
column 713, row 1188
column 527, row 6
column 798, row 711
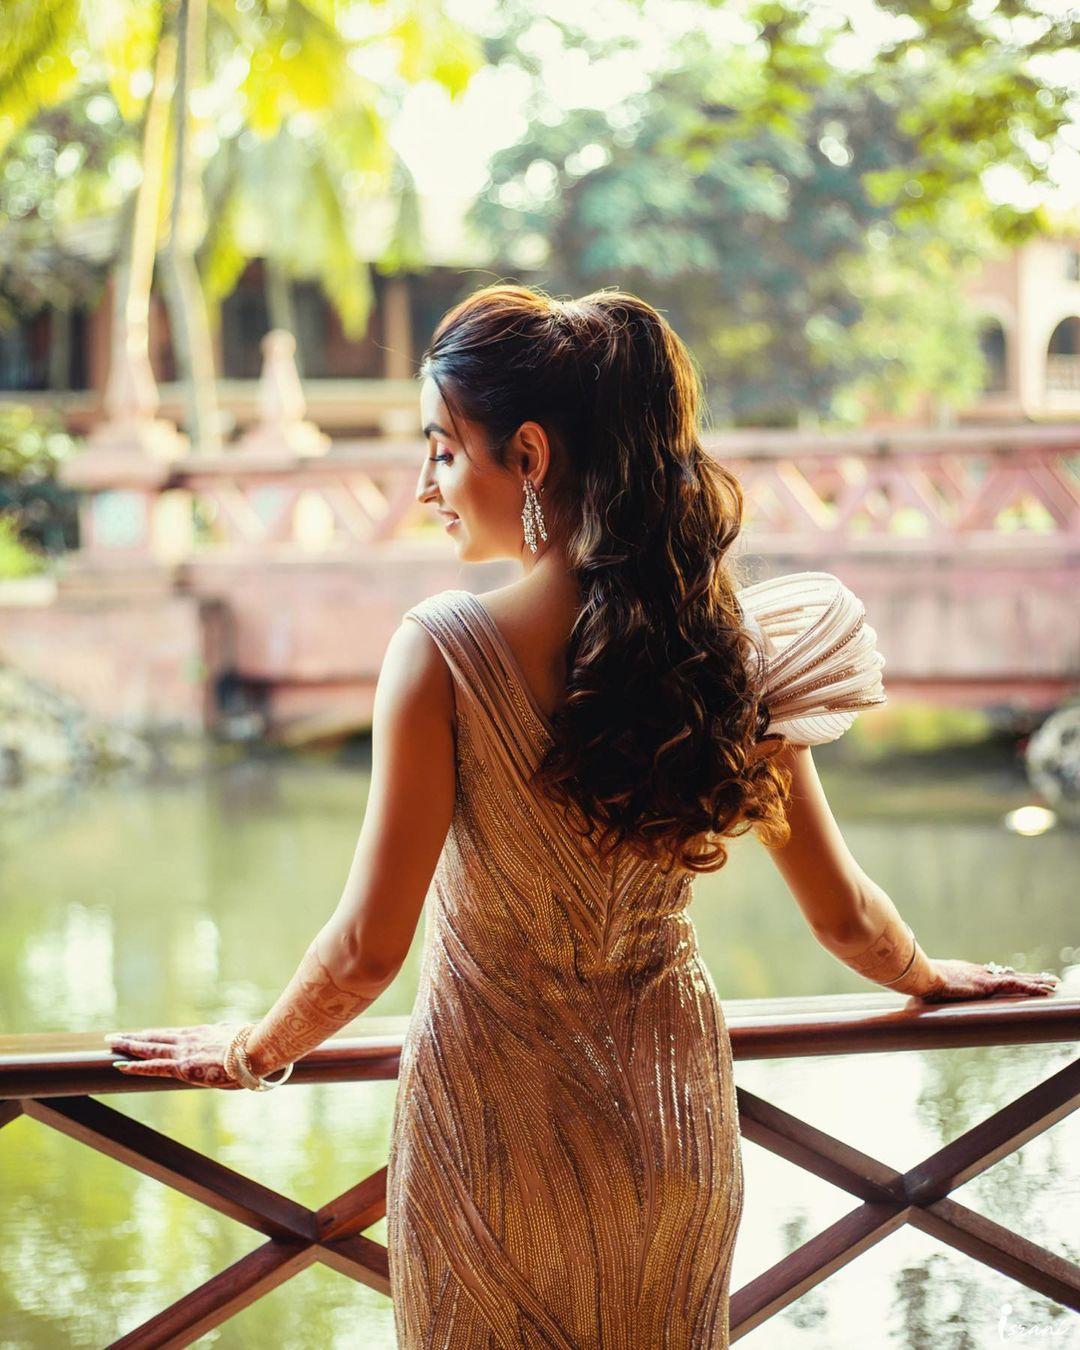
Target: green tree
column 60, row 175
column 302, row 149
column 803, row 218
column 38, row 517
column 269, row 108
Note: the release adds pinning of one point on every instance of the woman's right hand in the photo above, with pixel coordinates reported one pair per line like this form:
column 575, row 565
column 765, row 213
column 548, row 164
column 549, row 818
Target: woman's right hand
column 968, row 979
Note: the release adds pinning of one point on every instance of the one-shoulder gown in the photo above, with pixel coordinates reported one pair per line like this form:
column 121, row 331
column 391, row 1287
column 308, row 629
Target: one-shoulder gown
column 565, row 1168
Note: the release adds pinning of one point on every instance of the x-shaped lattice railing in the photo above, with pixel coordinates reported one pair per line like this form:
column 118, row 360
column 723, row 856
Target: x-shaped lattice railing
column 918, row 1196
column 296, row 1236
column 55, row 1089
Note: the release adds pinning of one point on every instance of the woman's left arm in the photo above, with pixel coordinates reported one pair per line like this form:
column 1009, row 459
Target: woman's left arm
column 357, row 953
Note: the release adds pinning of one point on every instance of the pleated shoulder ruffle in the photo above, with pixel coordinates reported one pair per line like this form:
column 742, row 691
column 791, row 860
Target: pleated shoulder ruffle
column 822, row 664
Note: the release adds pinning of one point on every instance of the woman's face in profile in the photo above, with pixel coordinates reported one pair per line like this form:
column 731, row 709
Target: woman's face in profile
column 478, row 503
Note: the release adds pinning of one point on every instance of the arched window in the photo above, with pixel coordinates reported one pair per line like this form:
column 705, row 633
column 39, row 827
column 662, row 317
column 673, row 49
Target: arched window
column 992, row 344
column 1063, row 357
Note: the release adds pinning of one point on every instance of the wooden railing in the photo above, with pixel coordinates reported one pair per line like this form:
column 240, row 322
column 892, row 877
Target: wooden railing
column 59, row 1087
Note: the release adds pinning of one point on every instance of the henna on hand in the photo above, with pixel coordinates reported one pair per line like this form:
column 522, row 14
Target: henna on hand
column 318, row 1000
column 193, row 1054
column 959, row 979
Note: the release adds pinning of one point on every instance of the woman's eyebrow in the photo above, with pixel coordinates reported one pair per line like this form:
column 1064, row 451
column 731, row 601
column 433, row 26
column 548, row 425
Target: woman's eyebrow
column 434, row 426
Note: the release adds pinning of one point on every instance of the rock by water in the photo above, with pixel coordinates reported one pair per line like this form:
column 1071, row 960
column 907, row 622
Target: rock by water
column 44, row 733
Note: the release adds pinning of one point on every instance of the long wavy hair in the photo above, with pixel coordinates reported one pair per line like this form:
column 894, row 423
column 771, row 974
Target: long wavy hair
column 654, row 742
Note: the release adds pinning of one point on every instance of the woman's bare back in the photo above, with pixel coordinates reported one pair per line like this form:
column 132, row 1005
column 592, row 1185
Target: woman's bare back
column 535, row 622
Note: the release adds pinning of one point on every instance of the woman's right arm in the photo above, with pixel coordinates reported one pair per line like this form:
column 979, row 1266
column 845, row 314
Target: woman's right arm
column 852, row 917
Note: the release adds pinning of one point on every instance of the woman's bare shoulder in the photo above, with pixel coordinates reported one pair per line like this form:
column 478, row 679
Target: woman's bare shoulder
column 524, row 608
column 414, row 670
column 535, row 624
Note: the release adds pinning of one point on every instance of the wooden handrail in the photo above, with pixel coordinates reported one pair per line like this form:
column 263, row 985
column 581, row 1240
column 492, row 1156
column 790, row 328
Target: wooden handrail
column 53, row 1078
column 67, row 1063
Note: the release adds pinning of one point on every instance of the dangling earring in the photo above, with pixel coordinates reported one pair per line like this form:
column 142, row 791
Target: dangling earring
column 532, row 517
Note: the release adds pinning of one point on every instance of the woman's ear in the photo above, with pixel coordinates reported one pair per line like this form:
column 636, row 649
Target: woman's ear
column 535, row 451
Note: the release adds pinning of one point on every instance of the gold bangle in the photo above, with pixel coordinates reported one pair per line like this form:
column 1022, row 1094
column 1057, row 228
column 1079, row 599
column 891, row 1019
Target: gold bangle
column 914, row 949
column 237, row 1071
column 238, row 1065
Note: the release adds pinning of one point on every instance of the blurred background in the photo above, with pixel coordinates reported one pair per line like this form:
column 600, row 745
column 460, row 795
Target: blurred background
column 227, row 231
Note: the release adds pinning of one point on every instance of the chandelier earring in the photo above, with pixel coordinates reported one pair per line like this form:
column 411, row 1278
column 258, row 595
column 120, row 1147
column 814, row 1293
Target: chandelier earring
column 532, row 517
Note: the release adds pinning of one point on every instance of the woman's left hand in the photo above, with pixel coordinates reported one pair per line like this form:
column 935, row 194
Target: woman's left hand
column 192, row 1054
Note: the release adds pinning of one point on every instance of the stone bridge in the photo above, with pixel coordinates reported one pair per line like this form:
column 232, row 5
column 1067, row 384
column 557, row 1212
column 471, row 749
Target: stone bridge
column 266, row 582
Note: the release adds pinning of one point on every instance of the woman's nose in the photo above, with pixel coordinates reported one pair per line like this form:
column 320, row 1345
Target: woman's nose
column 424, row 487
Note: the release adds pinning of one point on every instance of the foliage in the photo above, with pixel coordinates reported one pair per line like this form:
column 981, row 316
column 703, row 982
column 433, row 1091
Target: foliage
column 970, row 84
column 302, row 147
column 16, row 560
column 37, row 64
column 37, row 509
column 806, row 222
column 915, row 334
column 831, row 201
column 289, row 132
column 66, row 178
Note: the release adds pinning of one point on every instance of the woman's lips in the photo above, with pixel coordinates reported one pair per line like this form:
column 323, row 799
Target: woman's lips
column 448, row 520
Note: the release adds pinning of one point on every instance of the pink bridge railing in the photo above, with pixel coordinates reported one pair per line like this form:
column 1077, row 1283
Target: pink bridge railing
column 1017, row 488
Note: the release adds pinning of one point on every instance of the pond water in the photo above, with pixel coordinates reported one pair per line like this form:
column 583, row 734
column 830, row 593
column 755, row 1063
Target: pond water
column 192, row 901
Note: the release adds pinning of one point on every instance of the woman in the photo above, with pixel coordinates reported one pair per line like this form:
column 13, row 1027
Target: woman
column 555, row 760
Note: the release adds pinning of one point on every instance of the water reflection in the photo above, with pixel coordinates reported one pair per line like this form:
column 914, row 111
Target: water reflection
column 128, row 907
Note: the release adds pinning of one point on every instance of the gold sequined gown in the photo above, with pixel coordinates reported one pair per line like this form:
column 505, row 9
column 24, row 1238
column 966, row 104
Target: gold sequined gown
column 565, row 1167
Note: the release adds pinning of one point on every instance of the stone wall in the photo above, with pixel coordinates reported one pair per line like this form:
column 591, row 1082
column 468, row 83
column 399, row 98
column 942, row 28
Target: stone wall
column 147, row 663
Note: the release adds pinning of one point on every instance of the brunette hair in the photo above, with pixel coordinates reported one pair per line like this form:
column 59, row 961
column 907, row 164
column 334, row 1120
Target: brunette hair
column 654, row 743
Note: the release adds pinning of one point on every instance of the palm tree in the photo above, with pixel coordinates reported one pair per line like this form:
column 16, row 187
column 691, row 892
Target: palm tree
column 189, row 320
column 301, row 125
